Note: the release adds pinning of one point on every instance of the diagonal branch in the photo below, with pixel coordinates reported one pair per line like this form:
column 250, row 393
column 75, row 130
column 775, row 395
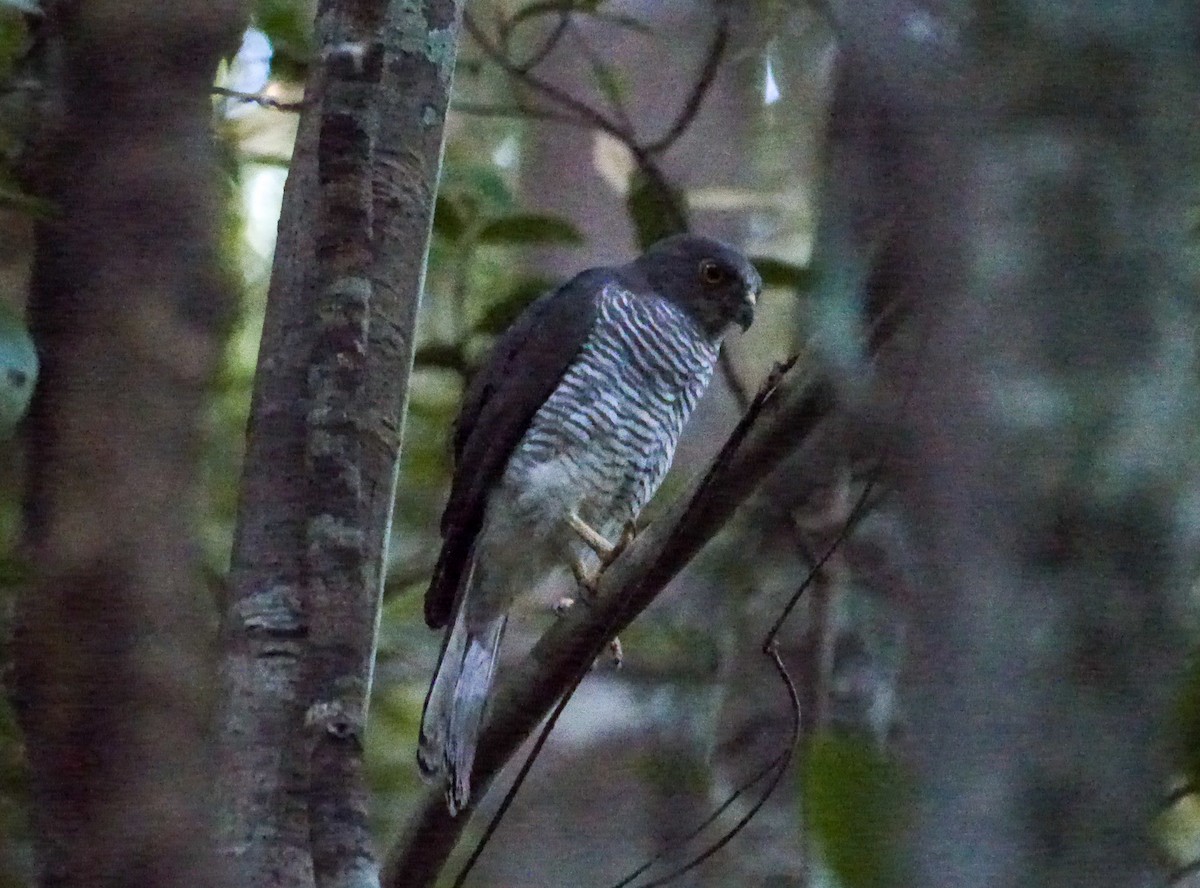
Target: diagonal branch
column 545, row 88
column 782, row 418
column 708, row 73
column 552, row 40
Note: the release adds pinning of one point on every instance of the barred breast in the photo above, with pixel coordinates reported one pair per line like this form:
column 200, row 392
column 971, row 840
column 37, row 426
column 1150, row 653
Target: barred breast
column 606, row 436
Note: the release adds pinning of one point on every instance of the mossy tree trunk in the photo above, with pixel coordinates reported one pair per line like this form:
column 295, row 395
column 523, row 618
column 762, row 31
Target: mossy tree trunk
column 325, row 431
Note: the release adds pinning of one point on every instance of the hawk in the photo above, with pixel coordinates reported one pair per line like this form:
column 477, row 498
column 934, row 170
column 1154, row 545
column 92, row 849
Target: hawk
column 563, row 437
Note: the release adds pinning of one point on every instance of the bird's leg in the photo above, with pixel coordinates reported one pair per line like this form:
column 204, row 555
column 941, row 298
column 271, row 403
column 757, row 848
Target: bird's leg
column 608, row 552
column 598, row 543
column 628, row 532
column 586, row 580
column 595, row 540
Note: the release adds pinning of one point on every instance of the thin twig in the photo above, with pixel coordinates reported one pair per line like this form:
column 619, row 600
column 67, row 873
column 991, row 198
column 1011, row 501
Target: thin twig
column 547, row 47
column 548, row 90
column 519, row 780
column 599, row 72
column 708, row 73
column 745, row 819
column 779, row 764
column 852, row 521
column 259, row 99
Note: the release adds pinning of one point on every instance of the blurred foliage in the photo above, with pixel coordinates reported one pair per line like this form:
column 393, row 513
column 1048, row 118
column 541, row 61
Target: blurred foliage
column 657, row 208
column 854, row 797
column 530, row 228
column 288, row 25
column 785, row 275
column 476, row 225
column 14, row 37
column 18, row 369
column 1177, row 832
column 1187, row 724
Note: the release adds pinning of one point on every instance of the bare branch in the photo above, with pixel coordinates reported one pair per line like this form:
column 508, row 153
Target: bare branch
column 547, row 90
column 539, row 55
column 780, row 765
column 775, row 769
column 258, row 99
column 708, row 73
column 783, row 417
column 601, row 71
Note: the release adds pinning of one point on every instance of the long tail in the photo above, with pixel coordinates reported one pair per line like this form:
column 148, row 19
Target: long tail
column 455, row 707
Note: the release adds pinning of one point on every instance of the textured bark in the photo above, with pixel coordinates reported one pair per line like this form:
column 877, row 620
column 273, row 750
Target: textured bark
column 326, row 427
column 1023, row 185
column 128, row 308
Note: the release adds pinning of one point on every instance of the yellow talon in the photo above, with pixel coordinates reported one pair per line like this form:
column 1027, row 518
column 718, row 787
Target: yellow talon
column 592, row 537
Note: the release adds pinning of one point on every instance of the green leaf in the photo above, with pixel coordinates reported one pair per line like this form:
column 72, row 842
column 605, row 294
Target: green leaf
column 500, row 315
column 530, row 228
column 15, row 199
column 18, row 370
column 1186, row 733
column 477, row 184
column 656, row 208
column 490, row 185
column 448, row 219
column 611, row 83
column 288, row 25
column 787, row 275
column 854, row 798
column 14, row 571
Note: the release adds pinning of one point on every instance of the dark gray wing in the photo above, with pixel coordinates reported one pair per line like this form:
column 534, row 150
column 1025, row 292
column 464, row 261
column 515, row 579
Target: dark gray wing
column 524, row 367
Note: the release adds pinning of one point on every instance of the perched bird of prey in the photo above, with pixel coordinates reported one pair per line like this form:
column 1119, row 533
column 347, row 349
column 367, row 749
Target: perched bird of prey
column 564, row 435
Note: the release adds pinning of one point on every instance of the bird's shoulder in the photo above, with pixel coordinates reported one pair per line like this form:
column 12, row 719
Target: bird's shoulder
column 529, row 358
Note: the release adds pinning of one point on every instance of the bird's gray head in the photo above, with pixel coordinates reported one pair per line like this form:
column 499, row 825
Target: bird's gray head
column 712, row 281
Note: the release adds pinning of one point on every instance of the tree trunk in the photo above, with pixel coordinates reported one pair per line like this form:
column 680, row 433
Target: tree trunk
column 1022, row 182
column 128, row 308
column 325, row 431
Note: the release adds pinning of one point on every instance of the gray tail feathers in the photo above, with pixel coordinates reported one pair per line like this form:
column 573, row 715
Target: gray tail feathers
column 456, row 705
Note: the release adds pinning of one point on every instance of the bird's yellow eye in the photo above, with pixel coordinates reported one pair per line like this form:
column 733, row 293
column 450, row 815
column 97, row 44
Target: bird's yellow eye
column 711, row 273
